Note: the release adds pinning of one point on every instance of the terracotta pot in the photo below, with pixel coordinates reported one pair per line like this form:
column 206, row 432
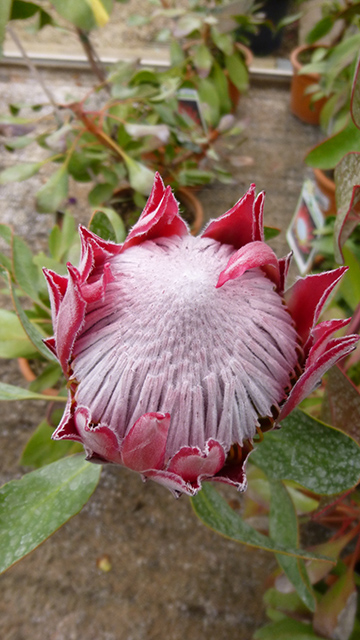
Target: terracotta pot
column 301, row 104
column 326, row 188
column 186, row 197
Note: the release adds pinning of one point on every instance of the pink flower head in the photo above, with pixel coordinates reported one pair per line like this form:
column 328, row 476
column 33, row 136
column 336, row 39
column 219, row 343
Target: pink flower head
column 178, row 349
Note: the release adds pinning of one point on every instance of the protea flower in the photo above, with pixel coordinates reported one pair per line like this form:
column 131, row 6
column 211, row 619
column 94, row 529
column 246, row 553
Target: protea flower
column 179, row 349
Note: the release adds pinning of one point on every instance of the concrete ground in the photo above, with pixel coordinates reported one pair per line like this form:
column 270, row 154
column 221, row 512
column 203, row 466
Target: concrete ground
column 171, row 578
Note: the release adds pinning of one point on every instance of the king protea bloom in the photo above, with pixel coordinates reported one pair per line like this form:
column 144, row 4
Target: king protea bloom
column 179, row 349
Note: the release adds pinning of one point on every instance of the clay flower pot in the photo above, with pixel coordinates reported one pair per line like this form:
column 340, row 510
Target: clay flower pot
column 301, row 103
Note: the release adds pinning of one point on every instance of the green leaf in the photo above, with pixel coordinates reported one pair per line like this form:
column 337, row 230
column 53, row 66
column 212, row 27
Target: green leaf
column 81, row 14
column 202, row 60
column 23, row 10
column 18, row 142
column 61, row 240
column 211, row 101
column 140, row 177
column 51, row 196
column 47, row 378
column 38, row 504
column 107, row 224
column 20, row 172
column 350, row 285
column 14, row 342
column 6, row 233
column 321, row 29
column 287, row 629
column 271, row 232
column 327, row 154
column 41, row 449
column 31, row 331
column 299, row 451
column 283, row 527
column 25, row 271
column 11, row 392
column 215, row 512
column 237, row 71
column 100, row 194
column 222, row 87
column 5, row 9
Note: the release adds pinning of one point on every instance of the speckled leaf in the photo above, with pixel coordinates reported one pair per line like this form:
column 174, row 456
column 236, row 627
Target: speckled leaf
column 347, row 181
column 283, row 527
column 38, row 504
column 341, row 404
column 215, row 512
column 315, row 455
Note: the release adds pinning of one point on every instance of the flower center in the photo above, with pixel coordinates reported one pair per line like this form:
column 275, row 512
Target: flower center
column 165, row 339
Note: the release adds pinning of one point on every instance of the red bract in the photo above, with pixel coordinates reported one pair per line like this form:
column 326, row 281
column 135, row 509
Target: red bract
column 178, row 349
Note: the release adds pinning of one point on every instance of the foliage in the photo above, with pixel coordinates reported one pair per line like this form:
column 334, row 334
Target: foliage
column 336, row 63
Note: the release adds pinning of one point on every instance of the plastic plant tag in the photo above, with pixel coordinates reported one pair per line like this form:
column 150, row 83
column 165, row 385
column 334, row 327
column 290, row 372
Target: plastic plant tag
column 301, row 233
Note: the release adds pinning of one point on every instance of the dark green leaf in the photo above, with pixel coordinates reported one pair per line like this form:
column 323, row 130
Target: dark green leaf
column 41, row 449
column 107, row 224
column 23, row 10
column 38, row 504
column 327, row 154
column 299, row 451
column 321, row 29
column 215, row 512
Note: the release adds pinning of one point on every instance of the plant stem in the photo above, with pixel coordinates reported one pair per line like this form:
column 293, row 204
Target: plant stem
column 92, row 57
column 35, row 73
